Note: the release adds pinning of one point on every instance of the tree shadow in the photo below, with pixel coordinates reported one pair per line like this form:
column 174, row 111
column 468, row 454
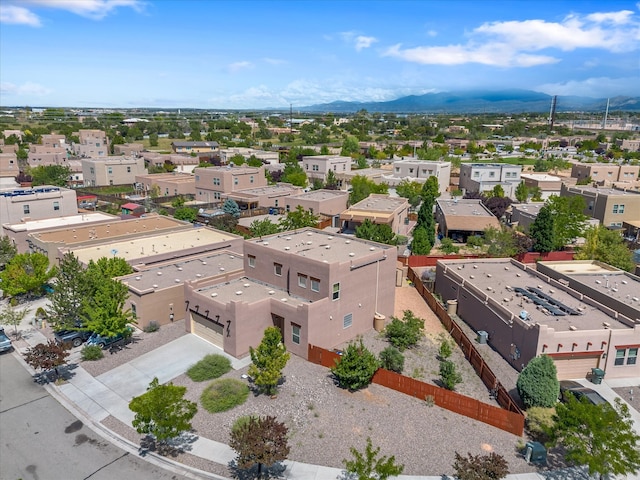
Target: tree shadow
column 64, row 373
column 273, row 471
column 170, row 448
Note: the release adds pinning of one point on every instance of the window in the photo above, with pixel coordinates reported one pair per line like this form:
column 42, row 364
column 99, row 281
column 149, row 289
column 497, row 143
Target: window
column 476, row 174
column 252, row 261
column 315, row 285
column 397, row 169
column 315, row 168
column 128, row 169
column 25, row 209
column 336, row 291
column 134, row 312
column 277, row 269
column 97, row 144
column 56, row 206
column 492, row 174
column 348, row 320
column 295, row 333
column 306, row 166
column 235, row 180
column 618, row 208
column 216, row 181
column 91, row 170
column 335, row 167
column 109, row 170
column 302, row 280
column 411, row 170
column 629, row 354
column 197, row 178
column 251, row 179
column 344, row 166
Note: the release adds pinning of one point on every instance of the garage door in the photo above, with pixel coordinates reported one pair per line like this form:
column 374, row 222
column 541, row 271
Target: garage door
column 207, row 329
column 575, row 367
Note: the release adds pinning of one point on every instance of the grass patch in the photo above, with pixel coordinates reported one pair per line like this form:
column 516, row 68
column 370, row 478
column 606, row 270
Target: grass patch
column 210, row 367
column 224, row 394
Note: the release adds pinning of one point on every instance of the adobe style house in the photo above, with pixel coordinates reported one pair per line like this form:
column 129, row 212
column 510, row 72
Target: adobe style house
column 379, row 209
column 194, row 147
column 459, row 219
column 612, row 207
column 112, row 170
column 548, row 184
column 483, row 177
column 9, row 170
column 606, row 174
column 330, row 203
column 269, row 196
column 169, row 184
column 583, row 314
column 92, row 143
column 35, row 203
column 416, row 170
column 213, row 182
column 318, row 288
column 318, row 166
column 51, row 151
column 227, row 154
column 129, row 149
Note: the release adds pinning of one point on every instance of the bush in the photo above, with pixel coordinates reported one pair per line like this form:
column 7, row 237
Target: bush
column 539, row 421
column 224, row 394
column 356, row 367
column 447, row 246
column 210, row 367
column 480, row 467
column 91, row 352
column 404, row 333
column 449, row 375
column 445, row 349
column 241, row 421
column 392, row 359
column 538, row 384
column 152, row 327
column 475, row 241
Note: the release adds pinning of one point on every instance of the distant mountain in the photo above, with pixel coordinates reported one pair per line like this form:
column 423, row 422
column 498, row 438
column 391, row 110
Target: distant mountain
column 481, row 101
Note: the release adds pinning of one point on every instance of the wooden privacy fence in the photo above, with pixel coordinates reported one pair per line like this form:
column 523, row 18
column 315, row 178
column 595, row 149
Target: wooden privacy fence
column 509, row 421
column 470, row 352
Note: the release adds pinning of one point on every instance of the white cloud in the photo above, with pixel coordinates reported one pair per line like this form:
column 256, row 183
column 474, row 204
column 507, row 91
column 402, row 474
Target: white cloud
column 514, row 43
column 28, row 88
column 18, row 16
column 274, row 61
column 593, row 87
column 432, row 33
column 237, row 66
column 93, row 9
column 364, row 42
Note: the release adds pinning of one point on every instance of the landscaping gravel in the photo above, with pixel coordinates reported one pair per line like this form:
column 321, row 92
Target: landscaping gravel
column 631, row 395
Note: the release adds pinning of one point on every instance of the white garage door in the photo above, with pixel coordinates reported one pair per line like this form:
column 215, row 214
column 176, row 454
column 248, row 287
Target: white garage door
column 576, row 367
column 207, row 329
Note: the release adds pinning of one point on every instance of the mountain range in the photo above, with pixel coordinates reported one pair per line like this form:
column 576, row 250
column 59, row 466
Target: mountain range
column 481, row 101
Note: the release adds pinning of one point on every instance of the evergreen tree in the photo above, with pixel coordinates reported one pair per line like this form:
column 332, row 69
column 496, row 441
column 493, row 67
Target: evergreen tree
column 7, row 250
column 541, row 231
column 268, row 361
column 356, row 367
column 522, row 192
column 420, row 244
column 538, row 384
column 230, row 207
column 72, row 287
column 606, row 246
column 298, row 218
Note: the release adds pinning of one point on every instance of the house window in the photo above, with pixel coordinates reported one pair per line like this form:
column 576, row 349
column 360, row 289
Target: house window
column 348, row 320
column 25, row 209
column 109, row 170
column 302, row 280
column 476, row 174
column 306, row 166
column 336, row 291
column 134, row 312
column 197, row 178
column 344, row 166
column 91, row 170
column 411, row 170
column 618, row 208
column 334, row 167
column 251, row 179
column 277, row 268
column 492, row 174
column 56, row 206
column 295, row 333
column 626, row 356
column 128, row 169
column 235, row 180
column 315, row 285
column 397, row 169
column 315, row 168
column 252, row 261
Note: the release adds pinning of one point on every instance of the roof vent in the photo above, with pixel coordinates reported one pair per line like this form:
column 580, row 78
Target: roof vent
column 330, row 237
column 177, row 280
column 506, row 268
column 488, row 275
column 288, row 238
column 287, row 248
column 606, row 324
column 372, row 249
column 489, row 288
column 327, row 247
column 138, row 277
column 624, row 282
column 283, row 299
column 198, row 275
column 179, row 269
column 214, row 294
column 159, row 273
column 265, row 243
column 309, row 234
column 472, row 277
column 351, row 254
column 247, row 285
column 573, row 328
column 475, row 266
column 309, row 242
column 239, row 292
column 222, row 269
column 271, row 292
column 518, row 275
column 347, row 241
column 155, row 286
column 204, row 263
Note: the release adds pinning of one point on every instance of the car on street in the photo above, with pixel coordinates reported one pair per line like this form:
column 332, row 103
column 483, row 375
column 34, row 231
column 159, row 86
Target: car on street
column 569, row 387
column 74, row 337
column 5, row 342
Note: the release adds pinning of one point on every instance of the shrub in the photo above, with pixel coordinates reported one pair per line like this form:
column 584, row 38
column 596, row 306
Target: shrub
column 91, row 352
column 475, row 241
column 449, row 375
column 538, row 384
column 539, row 421
column 356, row 367
column 480, row 467
column 392, row 359
column 241, row 421
column 445, row 349
column 447, row 246
column 224, row 394
column 210, row 367
column 152, row 327
column 404, row 333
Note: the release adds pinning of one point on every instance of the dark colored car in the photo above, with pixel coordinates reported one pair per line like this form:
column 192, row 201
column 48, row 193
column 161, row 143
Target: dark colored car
column 568, row 387
column 106, row 342
column 74, row 337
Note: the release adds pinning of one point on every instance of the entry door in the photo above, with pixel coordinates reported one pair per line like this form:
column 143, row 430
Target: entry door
column 278, row 321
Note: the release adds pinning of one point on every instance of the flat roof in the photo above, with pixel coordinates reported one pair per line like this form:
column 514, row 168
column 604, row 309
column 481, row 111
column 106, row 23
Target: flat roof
column 229, row 168
column 529, row 208
column 499, row 278
column 326, row 158
column 267, row 190
column 541, row 177
column 245, row 289
column 152, row 245
column 321, row 246
column 602, row 191
column 176, row 177
column 320, row 194
column 464, row 207
column 378, row 203
column 66, row 221
column 191, row 268
column 113, row 227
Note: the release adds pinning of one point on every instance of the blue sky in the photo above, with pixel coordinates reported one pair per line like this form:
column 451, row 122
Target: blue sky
column 257, row 54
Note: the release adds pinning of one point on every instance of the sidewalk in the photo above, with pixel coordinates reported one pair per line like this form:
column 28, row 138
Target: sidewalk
column 110, row 393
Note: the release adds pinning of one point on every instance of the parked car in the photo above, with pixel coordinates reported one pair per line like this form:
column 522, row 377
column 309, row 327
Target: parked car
column 568, row 387
column 5, row 342
column 107, row 342
column 74, row 337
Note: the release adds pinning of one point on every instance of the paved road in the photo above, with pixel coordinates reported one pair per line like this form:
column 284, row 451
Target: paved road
column 41, row 440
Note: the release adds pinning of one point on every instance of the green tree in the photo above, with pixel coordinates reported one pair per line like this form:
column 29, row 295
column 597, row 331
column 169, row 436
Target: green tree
column 447, row 246
column 431, row 189
column 538, row 384
column 106, row 268
column 405, row 333
column 230, row 207
column 497, row 191
column 480, row 467
column 392, row 359
column 421, row 244
column 606, row 246
column 162, row 411
column 356, row 366
column 237, row 160
column 331, row 182
column 104, row 311
column 377, row 233
column 569, row 219
column 501, row 242
column 368, row 465
column 186, row 214
column 522, row 192
column 541, row 231
column 298, row 218
column 47, row 356
column 26, row 274
column 153, row 139
column 262, row 228
column 268, row 361
column 449, row 375
column 12, row 316
column 50, row 175
column 72, row 287
column 7, row 250
column 350, row 146
column 410, row 190
column 178, row 202
column 362, row 187
column 294, row 174
column 602, row 437
column 254, row 161
column 259, row 442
